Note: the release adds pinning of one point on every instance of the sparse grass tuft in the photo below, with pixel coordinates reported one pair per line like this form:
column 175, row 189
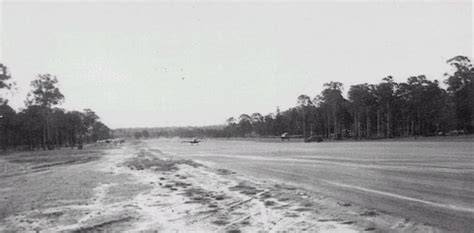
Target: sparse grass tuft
column 146, row 160
column 245, row 189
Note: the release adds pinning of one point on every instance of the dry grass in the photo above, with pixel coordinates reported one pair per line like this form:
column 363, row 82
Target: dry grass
column 56, row 156
column 18, row 163
column 147, row 160
column 246, row 189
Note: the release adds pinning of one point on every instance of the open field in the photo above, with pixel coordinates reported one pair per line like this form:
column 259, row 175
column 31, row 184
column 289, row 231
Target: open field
column 243, row 186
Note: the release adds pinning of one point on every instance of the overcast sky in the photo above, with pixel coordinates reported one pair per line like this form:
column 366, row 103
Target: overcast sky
column 176, row 64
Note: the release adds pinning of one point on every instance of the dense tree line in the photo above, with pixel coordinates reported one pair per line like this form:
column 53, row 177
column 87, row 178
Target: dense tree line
column 42, row 124
column 170, row 132
column 417, row 107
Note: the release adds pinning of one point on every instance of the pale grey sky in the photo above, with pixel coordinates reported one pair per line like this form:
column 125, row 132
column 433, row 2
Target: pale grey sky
column 175, row 64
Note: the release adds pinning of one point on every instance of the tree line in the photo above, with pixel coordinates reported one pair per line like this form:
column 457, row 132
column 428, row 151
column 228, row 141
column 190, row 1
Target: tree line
column 170, row 132
column 41, row 124
column 417, row 107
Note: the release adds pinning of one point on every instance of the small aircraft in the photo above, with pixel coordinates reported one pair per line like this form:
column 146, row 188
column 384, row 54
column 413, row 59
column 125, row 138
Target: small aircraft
column 286, row 136
column 192, row 142
column 312, row 138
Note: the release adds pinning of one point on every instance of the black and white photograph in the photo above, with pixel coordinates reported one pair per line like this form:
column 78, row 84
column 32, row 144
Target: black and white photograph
column 236, row 116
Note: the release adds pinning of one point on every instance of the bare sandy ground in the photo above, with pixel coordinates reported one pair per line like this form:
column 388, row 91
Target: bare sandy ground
column 138, row 188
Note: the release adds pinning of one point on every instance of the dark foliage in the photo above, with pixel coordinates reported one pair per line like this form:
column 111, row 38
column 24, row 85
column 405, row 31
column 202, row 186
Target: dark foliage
column 42, row 125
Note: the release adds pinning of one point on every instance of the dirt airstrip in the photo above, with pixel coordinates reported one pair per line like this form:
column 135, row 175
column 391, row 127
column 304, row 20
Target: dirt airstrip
column 136, row 187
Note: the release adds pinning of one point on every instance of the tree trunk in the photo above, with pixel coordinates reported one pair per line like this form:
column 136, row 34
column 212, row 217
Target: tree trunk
column 335, row 125
column 359, row 133
column 304, row 124
column 4, row 138
column 355, row 132
column 57, row 138
column 44, row 137
column 328, row 126
column 368, row 123
column 418, row 128
column 378, row 123
column 388, row 121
